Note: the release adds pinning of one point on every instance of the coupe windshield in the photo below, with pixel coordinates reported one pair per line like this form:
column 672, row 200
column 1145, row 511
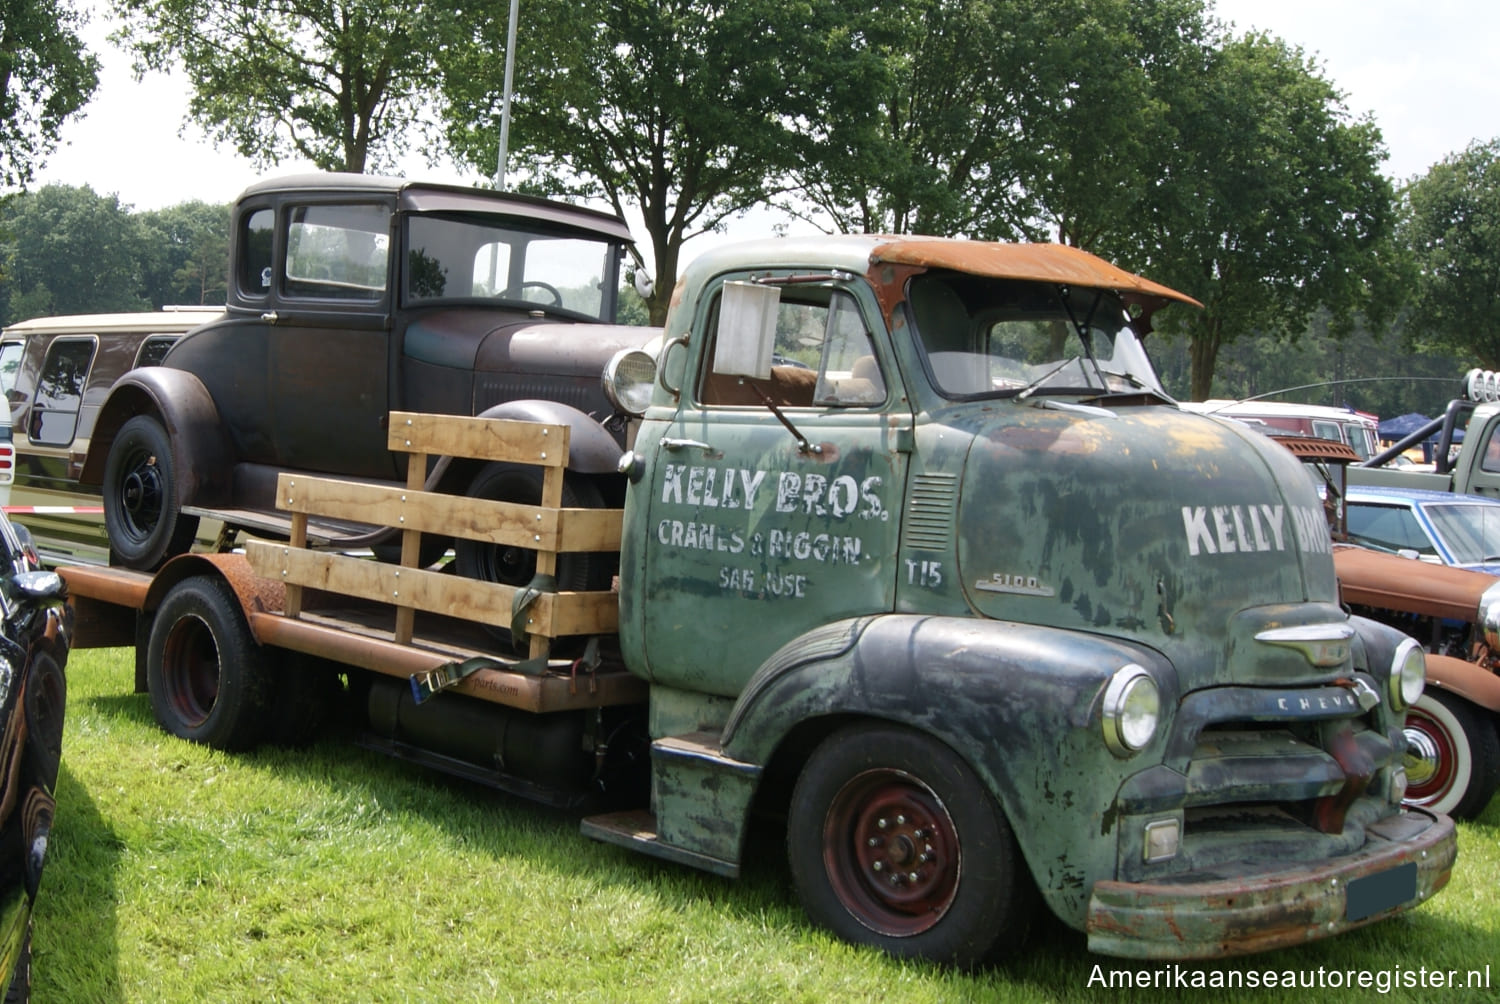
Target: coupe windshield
column 449, row 257
column 1469, row 533
column 985, row 336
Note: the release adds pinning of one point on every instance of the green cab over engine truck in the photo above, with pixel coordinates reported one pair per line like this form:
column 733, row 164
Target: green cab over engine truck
column 914, row 553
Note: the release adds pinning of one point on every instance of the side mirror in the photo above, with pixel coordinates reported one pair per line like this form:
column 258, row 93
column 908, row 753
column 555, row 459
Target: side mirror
column 747, row 330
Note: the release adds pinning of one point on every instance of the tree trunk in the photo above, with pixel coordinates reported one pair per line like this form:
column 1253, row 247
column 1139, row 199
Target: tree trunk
column 1203, row 351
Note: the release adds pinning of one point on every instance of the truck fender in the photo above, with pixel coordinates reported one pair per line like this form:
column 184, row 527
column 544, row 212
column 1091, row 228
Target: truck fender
column 592, row 450
column 202, row 452
column 1474, row 684
column 1020, row 703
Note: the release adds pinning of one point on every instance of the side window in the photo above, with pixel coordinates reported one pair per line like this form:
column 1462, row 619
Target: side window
column 337, row 252
column 822, row 358
column 1491, row 459
column 59, row 389
column 154, row 349
column 255, row 238
column 10, row 366
column 1388, row 527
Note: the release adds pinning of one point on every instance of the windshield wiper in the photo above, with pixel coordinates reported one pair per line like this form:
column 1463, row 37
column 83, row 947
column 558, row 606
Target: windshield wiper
column 1036, row 384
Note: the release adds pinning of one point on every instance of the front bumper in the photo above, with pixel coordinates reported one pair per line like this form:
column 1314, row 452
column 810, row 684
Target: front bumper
column 1194, row 917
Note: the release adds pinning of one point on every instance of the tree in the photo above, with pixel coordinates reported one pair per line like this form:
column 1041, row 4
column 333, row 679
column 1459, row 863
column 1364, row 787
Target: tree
column 1450, row 221
column 45, row 78
column 191, row 254
column 1268, row 205
column 342, row 83
column 690, row 111
column 70, row 251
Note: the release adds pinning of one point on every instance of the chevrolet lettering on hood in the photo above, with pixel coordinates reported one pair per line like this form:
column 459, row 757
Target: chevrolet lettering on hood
column 1227, row 529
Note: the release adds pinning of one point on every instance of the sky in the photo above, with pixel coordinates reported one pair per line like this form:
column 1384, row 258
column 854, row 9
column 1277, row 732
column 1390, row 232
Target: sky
column 1424, row 71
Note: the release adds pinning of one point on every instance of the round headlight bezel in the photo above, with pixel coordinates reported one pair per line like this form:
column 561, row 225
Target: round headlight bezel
column 1131, row 710
column 630, row 380
column 1408, row 674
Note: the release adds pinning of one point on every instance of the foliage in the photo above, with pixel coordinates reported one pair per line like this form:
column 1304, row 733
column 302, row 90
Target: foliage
column 175, row 873
column 1450, row 220
column 689, row 111
column 1270, row 206
column 189, row 256
column 343, row 84
column 46, row 77
column 71, row 251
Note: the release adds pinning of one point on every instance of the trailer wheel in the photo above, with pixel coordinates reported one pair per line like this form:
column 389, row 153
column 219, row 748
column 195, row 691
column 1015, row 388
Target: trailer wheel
column 1452, row 755
column 142, row 506
column 894, row 842
column 209, row 680
column 515, row 566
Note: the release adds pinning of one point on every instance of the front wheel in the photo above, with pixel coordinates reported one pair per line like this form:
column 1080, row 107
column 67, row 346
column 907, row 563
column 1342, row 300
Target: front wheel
column 894, row 842
column 208, row 678
column 142, row 499
column 1452, row 755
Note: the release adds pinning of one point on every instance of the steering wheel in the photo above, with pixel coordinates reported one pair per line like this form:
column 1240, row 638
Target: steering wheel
column 550, row 290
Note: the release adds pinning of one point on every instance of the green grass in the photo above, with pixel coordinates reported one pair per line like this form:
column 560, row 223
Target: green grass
column 177, row 873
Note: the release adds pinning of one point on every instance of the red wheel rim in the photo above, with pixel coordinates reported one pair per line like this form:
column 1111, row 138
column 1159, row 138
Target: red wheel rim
column 1431, row 758
column 892, row 853
column 190, row 671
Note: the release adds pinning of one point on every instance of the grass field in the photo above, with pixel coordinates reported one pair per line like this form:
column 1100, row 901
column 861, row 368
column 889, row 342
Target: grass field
column 177, row 873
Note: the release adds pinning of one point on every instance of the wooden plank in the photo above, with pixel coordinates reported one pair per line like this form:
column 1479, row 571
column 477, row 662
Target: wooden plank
column 485, row 520
column 482, row 438
column 551, row 615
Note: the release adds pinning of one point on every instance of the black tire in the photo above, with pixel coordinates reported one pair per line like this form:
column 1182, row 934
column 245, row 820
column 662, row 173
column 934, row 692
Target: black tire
column 894, row 842
column 142, row 502
column 515, row 566
column 46, row 699
column 1452, row 755
column 209, row 680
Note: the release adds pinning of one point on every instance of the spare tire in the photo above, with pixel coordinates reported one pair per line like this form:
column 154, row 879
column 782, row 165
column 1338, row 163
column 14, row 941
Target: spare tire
column 142, row 500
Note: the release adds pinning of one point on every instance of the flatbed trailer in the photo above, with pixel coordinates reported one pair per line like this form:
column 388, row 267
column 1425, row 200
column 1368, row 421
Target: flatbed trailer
column 300, row 616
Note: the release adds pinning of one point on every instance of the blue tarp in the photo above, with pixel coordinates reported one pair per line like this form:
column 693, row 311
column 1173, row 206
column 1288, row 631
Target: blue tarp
column 1401, row 426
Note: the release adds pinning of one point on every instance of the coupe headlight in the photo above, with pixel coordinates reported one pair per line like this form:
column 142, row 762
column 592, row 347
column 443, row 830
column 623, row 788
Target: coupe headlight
column 1408, row 674
column 1132, row 710
column 1489, row 615
column 628, row 378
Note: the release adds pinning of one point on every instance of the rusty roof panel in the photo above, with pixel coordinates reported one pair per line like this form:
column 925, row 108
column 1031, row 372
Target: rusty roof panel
column 1040, row 262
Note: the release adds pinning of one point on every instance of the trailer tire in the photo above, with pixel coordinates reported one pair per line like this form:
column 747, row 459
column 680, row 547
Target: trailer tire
column 142, row 501
column 1452, row 755
column 961, row 896
column 208, row 678
column 515, row 566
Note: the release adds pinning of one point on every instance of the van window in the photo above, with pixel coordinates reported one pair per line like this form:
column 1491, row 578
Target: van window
column 59, row 391
column 10, row 365
column 154, row 349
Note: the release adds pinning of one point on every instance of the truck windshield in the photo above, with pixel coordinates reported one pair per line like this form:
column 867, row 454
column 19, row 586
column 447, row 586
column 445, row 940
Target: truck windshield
column 1000, row 337
column 452, row 257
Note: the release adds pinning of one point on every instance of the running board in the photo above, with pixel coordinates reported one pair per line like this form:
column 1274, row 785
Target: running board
column 636, row 829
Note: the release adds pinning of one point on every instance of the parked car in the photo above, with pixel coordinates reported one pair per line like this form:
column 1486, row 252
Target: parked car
column 1452, row 732
column 55, row 373
column 35, row 629
column 1441, row 527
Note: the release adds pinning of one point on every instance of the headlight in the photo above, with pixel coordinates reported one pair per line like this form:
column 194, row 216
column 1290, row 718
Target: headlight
column 1132, row 710
column 628, row 378
column 1408, row 674
column 1489, row 615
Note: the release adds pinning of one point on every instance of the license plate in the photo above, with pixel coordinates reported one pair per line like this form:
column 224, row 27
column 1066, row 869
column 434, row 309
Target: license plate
column 1372, row 894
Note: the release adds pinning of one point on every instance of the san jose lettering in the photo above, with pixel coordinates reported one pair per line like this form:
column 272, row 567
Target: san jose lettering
column 1253, row 528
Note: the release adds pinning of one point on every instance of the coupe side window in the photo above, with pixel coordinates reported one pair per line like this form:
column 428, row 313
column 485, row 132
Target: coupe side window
column 337, row 252
column 257, row 233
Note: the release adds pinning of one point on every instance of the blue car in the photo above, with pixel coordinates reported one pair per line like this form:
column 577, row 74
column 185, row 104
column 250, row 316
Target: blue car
column 1441, row 527
column 35, row 630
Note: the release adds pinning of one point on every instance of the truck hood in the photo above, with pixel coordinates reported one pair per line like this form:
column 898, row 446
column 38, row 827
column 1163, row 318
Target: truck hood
column 507, row 342
column 1143, row 521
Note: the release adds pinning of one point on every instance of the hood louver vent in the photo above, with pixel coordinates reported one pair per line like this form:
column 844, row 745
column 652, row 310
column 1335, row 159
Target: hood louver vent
column 929, row 517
